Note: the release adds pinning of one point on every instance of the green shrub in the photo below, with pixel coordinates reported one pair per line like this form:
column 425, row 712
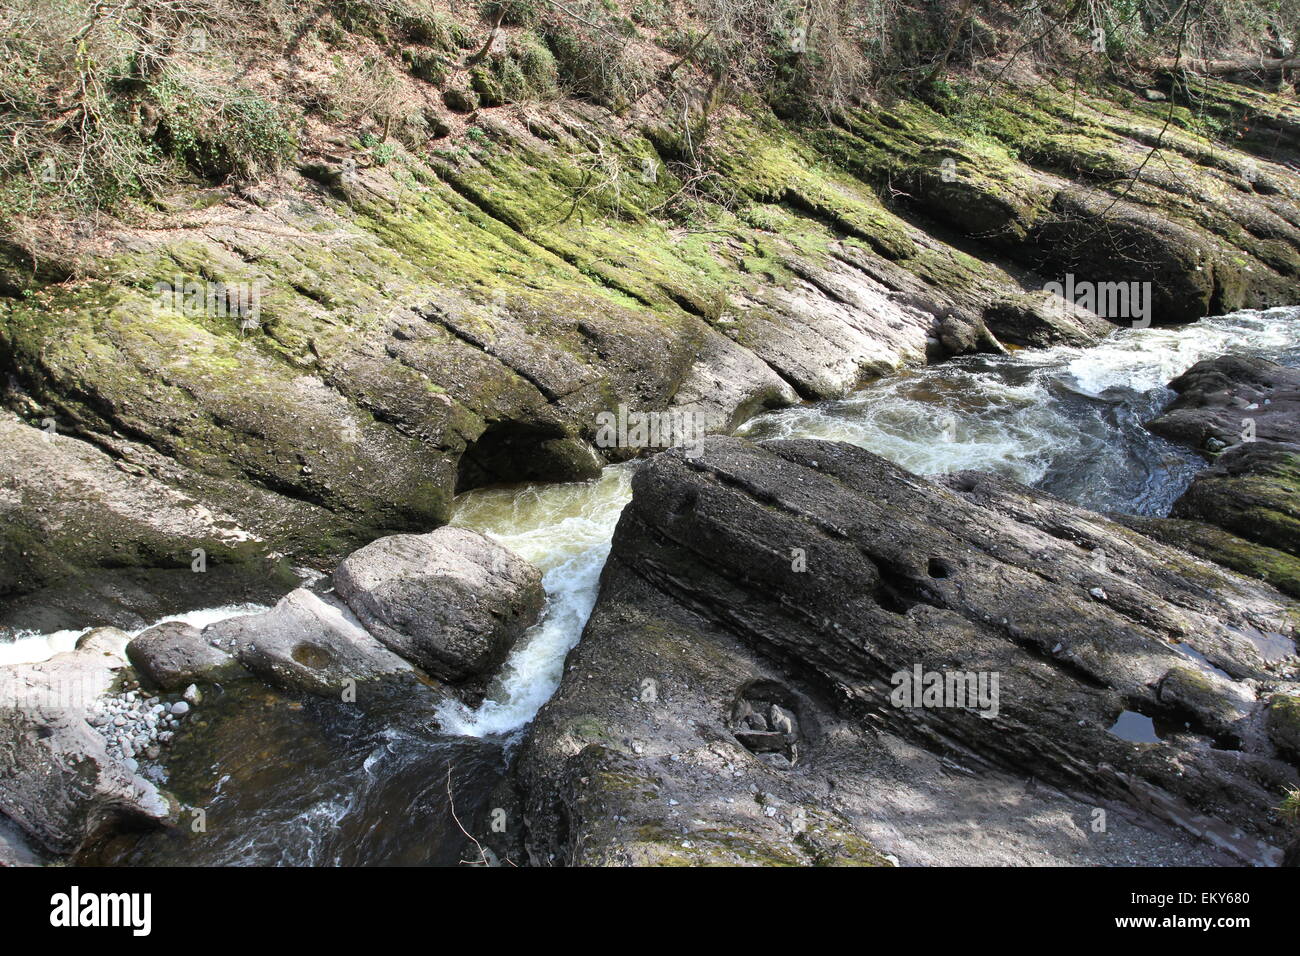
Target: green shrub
column 222, row 132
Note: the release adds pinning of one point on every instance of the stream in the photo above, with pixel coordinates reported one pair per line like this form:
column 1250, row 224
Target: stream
column 374, row 788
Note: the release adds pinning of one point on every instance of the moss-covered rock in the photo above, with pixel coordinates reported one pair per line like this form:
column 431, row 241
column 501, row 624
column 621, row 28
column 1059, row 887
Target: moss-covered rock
column 460, row 100
column 1212, row 543
column 1284, row 724
column 1252, row 492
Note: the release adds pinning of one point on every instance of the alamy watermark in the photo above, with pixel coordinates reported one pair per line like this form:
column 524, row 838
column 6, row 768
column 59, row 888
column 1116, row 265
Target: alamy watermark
column 1110, row 300
column 968, row 690
column 75, row 909
column 672, row 428
column 239, row 300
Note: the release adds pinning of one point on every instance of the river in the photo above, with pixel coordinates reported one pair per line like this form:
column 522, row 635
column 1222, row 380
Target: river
column 289, row 782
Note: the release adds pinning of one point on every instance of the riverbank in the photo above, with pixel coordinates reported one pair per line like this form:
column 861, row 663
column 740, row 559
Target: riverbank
column 464, row 316
column 337, row 289
column 565, row 531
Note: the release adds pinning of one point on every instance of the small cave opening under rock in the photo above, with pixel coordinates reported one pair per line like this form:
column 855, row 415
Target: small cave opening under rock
column 511, row 452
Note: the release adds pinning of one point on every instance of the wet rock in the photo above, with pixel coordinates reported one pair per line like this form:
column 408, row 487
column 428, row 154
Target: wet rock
column 1253, row 492
column 172, row 655
column 1232, row 399
column 59, row 780
column 901, row 579
column 1041, row 319
column 962, row 333
column 452, row 601
column 307, row 642
column 1244, row 511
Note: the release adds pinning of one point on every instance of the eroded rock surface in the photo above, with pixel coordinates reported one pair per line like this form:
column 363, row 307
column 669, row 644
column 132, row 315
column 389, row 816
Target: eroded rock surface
column 1231, row 400
column 808, row 576
column 173, row 655
column 67, row 507
column 307, row 642
column 441, row 322
column 1244, row 511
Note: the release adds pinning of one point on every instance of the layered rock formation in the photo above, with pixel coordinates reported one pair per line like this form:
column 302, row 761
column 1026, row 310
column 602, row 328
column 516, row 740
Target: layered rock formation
column 460, row 317
column 735, row 695
column 1243, row 511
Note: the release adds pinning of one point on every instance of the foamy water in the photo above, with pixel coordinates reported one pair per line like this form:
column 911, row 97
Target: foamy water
column 565, row 531
column 1024, row 414
column 1069, row 420
column 28, row 647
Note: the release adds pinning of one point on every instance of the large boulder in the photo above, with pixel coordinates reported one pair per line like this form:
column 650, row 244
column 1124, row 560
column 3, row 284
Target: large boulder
column 1244, row 511
column 1231, row 400
column 452, row 601
column 307, row 642
column 1040, row 319
column 735, row 696
column 59, row 781
column 1252, row 491
column 173, row 655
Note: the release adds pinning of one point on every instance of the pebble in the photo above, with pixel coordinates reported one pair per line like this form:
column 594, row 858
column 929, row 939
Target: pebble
column 135, row 725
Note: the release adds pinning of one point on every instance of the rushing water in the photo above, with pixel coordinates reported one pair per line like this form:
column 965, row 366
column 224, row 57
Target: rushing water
column 374, row 786
column 1066, row 420
column 267, row 779
column 27, row 647
column 565, row 531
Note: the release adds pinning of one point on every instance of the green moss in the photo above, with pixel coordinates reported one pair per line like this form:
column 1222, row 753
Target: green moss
column 1284, row 724
column 657, row 846
column 1290, row 808
column 768, row 165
